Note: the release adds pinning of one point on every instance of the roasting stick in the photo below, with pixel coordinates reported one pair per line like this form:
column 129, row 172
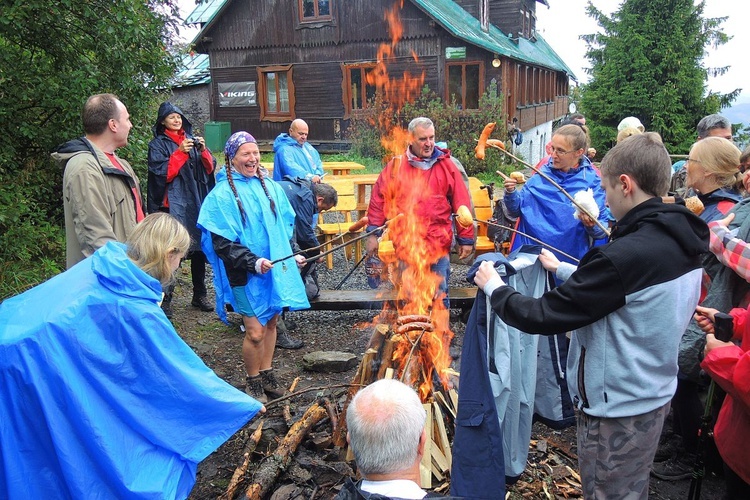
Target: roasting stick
column 552, row 181
column 527, row 236
column 505, row 177
column 338, row 247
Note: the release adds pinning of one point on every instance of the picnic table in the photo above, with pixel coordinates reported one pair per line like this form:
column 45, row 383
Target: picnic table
column 342, row 167
column 336, row 168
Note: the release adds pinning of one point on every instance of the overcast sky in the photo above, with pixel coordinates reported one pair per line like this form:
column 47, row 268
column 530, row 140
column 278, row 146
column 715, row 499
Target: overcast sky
column 565, row 20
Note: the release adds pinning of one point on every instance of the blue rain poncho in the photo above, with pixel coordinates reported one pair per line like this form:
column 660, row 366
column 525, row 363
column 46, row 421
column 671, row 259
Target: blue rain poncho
column 99, row 396
column 265, row 234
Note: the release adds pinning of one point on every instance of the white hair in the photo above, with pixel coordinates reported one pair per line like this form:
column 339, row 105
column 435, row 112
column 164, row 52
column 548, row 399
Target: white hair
column 420, row 122
column 385, row 422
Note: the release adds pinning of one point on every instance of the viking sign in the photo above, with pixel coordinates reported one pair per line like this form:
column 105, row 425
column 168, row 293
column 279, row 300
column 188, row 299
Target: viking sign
column 237, row 94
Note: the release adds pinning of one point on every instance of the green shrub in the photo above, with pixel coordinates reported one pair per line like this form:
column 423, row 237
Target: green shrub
column 459, row 128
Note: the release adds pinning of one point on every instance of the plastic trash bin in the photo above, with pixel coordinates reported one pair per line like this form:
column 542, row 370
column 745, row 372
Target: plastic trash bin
column 216, row 135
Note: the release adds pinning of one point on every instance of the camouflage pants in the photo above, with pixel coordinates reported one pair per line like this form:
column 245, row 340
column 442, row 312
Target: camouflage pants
column 615, row 454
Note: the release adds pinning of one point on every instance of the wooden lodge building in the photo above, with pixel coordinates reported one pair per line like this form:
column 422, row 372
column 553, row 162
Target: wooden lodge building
column 272, row 61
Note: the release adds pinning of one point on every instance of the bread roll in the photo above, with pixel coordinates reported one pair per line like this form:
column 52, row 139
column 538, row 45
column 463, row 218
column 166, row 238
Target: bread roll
column 463, row 216
column 518, row 177
column 694, row 205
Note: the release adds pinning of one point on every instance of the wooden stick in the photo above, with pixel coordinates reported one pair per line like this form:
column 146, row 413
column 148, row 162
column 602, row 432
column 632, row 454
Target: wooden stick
column 294, row 385
column 269, row 470
column 505, row 177
column 411, row 353
column 308, row 389
column 527, row 236
column 558, row 186
column 239, row 472
column 368, row 361
column 337, row 247
column 425, row 467
column 442, row 434
column 331, row 413
column 385, row 358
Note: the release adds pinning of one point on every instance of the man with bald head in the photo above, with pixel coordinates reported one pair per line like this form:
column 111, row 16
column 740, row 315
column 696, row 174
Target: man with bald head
column 294, row 156
column 387, row 436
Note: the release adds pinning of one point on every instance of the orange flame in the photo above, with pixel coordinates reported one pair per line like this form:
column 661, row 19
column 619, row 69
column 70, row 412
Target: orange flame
column 419, row 357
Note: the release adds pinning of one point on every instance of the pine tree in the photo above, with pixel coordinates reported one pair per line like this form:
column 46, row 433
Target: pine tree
column 648, row 63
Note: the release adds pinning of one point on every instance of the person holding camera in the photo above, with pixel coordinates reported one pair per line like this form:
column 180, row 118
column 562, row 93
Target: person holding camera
column 180, row 175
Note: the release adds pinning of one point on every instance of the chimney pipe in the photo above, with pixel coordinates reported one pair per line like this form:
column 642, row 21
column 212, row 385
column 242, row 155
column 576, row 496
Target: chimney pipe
column 484, row 15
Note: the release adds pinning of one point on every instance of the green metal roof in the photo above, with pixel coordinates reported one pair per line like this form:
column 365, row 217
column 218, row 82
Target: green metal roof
column 453, row 19
column 466, row 27
column 194, row 70
column 205, row 11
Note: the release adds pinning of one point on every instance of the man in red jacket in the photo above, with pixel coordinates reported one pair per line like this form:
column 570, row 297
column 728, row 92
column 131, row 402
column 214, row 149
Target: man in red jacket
column 425, row 186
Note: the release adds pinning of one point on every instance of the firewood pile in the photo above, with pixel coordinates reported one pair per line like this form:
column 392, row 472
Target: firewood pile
column 309, row 449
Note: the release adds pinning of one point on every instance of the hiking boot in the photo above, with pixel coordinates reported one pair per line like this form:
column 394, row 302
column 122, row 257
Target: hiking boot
column 202, row 303
column 254, row 389
column 676, row 468
column 270, row 385
column 166, row 306
column 284, row 341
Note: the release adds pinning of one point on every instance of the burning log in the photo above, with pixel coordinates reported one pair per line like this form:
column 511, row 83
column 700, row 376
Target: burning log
column 386, row 358
column 266, row 475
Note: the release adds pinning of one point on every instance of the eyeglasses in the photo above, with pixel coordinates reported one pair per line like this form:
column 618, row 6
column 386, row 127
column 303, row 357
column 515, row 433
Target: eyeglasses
column 560, row 152
column 692, row 159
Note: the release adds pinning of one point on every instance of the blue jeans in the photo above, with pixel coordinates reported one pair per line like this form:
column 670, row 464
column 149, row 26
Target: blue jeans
column 443, row 268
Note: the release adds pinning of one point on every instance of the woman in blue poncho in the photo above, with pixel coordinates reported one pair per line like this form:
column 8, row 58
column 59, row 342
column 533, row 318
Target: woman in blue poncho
column 247, row 222
column 545, row 213
column 100, row 396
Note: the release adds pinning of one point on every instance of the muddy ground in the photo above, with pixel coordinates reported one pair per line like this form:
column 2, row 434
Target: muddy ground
column 317, row 473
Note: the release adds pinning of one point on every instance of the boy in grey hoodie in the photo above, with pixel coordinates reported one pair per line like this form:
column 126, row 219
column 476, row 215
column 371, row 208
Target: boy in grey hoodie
column 627, row 305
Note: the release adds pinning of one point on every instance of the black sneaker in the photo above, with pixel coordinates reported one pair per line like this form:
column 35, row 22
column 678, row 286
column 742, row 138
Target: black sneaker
column 676, row 468
column 202, row 303
column 669, row 447
column 284, row 341
column 270, row 385
column 254, row 389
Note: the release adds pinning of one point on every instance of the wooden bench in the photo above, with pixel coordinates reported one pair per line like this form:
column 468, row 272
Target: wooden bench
column 342, row 213
column 342, row 167
column 344, row 300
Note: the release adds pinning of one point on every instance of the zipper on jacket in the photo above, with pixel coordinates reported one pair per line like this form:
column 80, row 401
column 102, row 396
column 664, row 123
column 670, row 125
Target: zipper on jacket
column 581, row 377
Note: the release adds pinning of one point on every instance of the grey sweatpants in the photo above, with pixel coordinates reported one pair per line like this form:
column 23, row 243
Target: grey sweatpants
column 615, row 454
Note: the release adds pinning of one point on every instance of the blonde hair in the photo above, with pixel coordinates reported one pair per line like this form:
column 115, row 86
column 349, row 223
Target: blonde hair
column 155, row 239
column 721, row 158
column 627, row 132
